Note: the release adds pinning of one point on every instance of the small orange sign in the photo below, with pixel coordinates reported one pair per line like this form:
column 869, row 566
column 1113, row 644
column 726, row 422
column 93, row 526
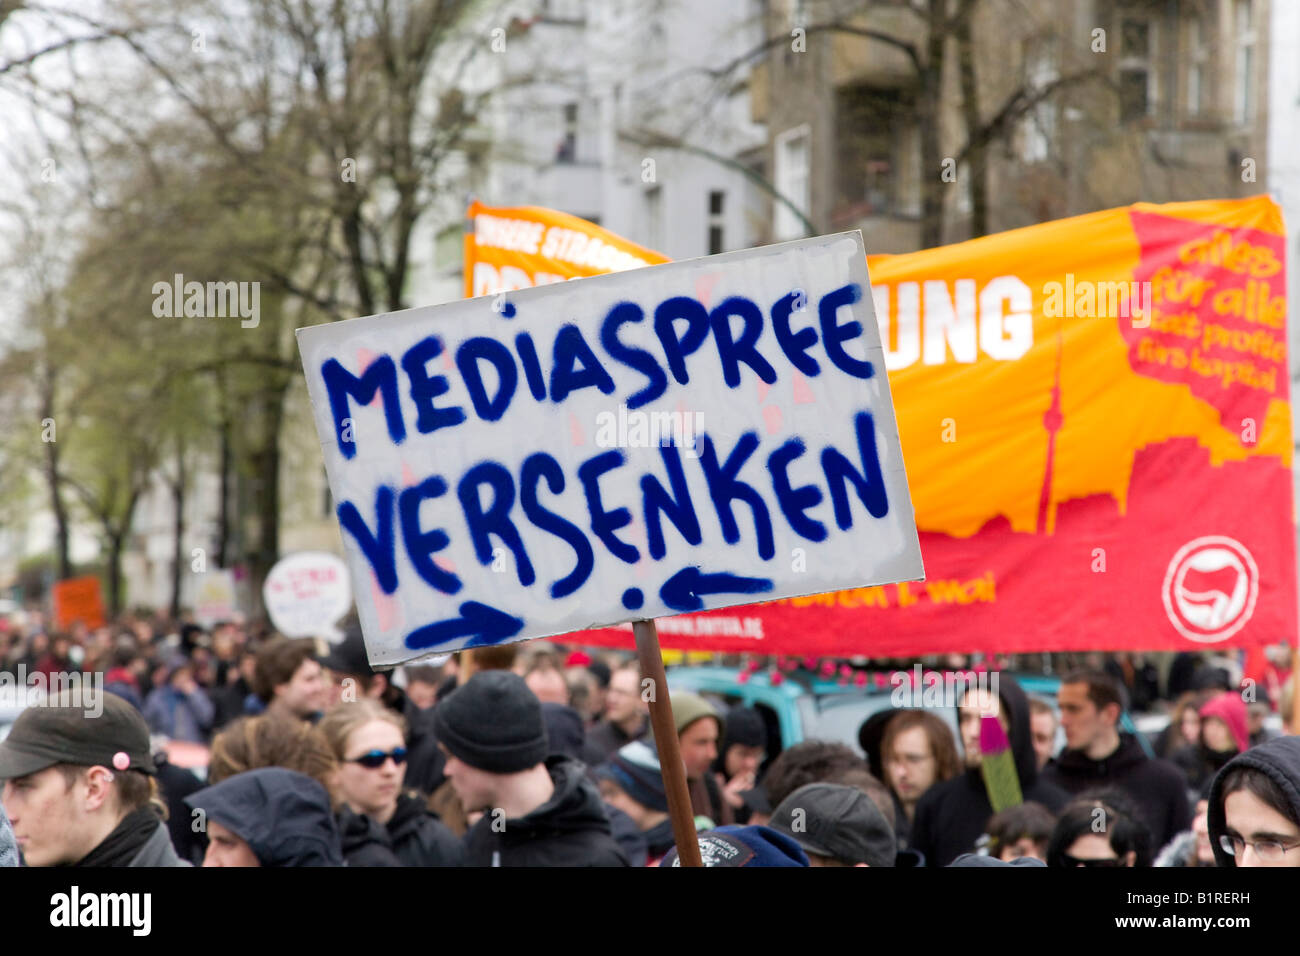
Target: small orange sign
column 78, row 600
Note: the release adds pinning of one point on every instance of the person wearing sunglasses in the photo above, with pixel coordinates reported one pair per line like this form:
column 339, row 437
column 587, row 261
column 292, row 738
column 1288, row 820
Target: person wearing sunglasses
column 1101, row 828
column 380, row 823
column 1254, row 812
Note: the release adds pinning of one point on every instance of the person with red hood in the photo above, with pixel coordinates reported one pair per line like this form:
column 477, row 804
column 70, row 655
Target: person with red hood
column 1225, row 732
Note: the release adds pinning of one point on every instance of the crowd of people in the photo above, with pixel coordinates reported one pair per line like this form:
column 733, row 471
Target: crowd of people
column 535, row 755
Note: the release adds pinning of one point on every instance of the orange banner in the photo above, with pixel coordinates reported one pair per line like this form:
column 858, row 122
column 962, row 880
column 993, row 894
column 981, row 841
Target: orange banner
column 524, row 246
column 1095, row 420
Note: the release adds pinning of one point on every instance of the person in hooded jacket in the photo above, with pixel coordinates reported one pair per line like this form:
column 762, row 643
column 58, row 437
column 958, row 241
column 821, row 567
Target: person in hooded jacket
column 268, row 817
column 741, row 753
column 381, row 824
column 178, row 707
column 950, row 816
column 1097, row 755
column 1224, row 733
column 536, row 810
column 1254, row 808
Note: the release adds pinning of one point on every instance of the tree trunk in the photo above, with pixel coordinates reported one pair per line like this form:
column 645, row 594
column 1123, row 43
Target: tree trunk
column 932, row 159
column 61, row 550
column 223, row 510
column 977, row 159
column 116, row 540
column 178, row 529
column 267, row 551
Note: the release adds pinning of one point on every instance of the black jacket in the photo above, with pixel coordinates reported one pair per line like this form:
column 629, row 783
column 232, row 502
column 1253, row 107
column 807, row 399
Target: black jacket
column 628, row 836
column 570, row 829
column 950, row 816
column 1157, row 787
column 1199, row 764
column 604, row 739
column 1279, row 760
column 424, row 759
column 413, row 836
column 175, row 784
column 659, row 840
column 228, row 703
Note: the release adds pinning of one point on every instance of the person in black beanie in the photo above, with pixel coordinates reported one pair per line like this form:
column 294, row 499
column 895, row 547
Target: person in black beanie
column 536, row 810
column 740, row 754
column 631, row 782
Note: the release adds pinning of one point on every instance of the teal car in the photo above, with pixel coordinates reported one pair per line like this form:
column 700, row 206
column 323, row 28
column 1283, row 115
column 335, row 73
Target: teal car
column 803, row 706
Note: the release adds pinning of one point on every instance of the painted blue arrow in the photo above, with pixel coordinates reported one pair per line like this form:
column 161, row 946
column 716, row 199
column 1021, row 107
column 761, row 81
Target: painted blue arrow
column 486, row 624
column 682, row 591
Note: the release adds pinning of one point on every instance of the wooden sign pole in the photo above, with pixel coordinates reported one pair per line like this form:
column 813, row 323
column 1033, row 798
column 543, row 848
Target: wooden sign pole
column 665, row 733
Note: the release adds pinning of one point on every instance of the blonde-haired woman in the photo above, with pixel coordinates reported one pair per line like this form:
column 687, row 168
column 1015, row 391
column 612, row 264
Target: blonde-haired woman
column 380, row 824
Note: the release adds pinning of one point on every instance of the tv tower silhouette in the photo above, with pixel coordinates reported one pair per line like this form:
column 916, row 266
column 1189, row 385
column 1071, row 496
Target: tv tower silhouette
column 1052, row 421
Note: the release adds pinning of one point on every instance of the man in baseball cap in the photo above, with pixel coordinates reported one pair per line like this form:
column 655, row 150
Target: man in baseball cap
column 79, row 787
column 836, row 825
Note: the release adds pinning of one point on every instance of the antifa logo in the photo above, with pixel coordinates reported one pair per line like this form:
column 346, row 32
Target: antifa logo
column 1210, row 588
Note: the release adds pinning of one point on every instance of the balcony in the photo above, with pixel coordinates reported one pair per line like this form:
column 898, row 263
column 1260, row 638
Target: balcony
column 573, row 187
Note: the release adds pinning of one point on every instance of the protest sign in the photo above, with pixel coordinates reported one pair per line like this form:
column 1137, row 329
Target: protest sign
column 78, row 601
column 1096, row 417
column 214, row 597
column 677, row 438
column 306, row 594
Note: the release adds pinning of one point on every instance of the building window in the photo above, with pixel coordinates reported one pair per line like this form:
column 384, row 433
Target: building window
column 568, row 148
column 654, row 216
column 1244, row 99
column 715, row 240
column 1198, row 58
column 876, row 144
column 1136, row 77
column 716, row 200
column 792, row 160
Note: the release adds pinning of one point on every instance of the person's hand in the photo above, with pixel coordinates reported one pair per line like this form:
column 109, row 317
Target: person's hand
column 739, row 784
column 186, row 685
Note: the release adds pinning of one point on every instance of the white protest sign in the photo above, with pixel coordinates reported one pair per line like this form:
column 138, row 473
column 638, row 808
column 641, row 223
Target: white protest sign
column 306, row 594
column 682, row 437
